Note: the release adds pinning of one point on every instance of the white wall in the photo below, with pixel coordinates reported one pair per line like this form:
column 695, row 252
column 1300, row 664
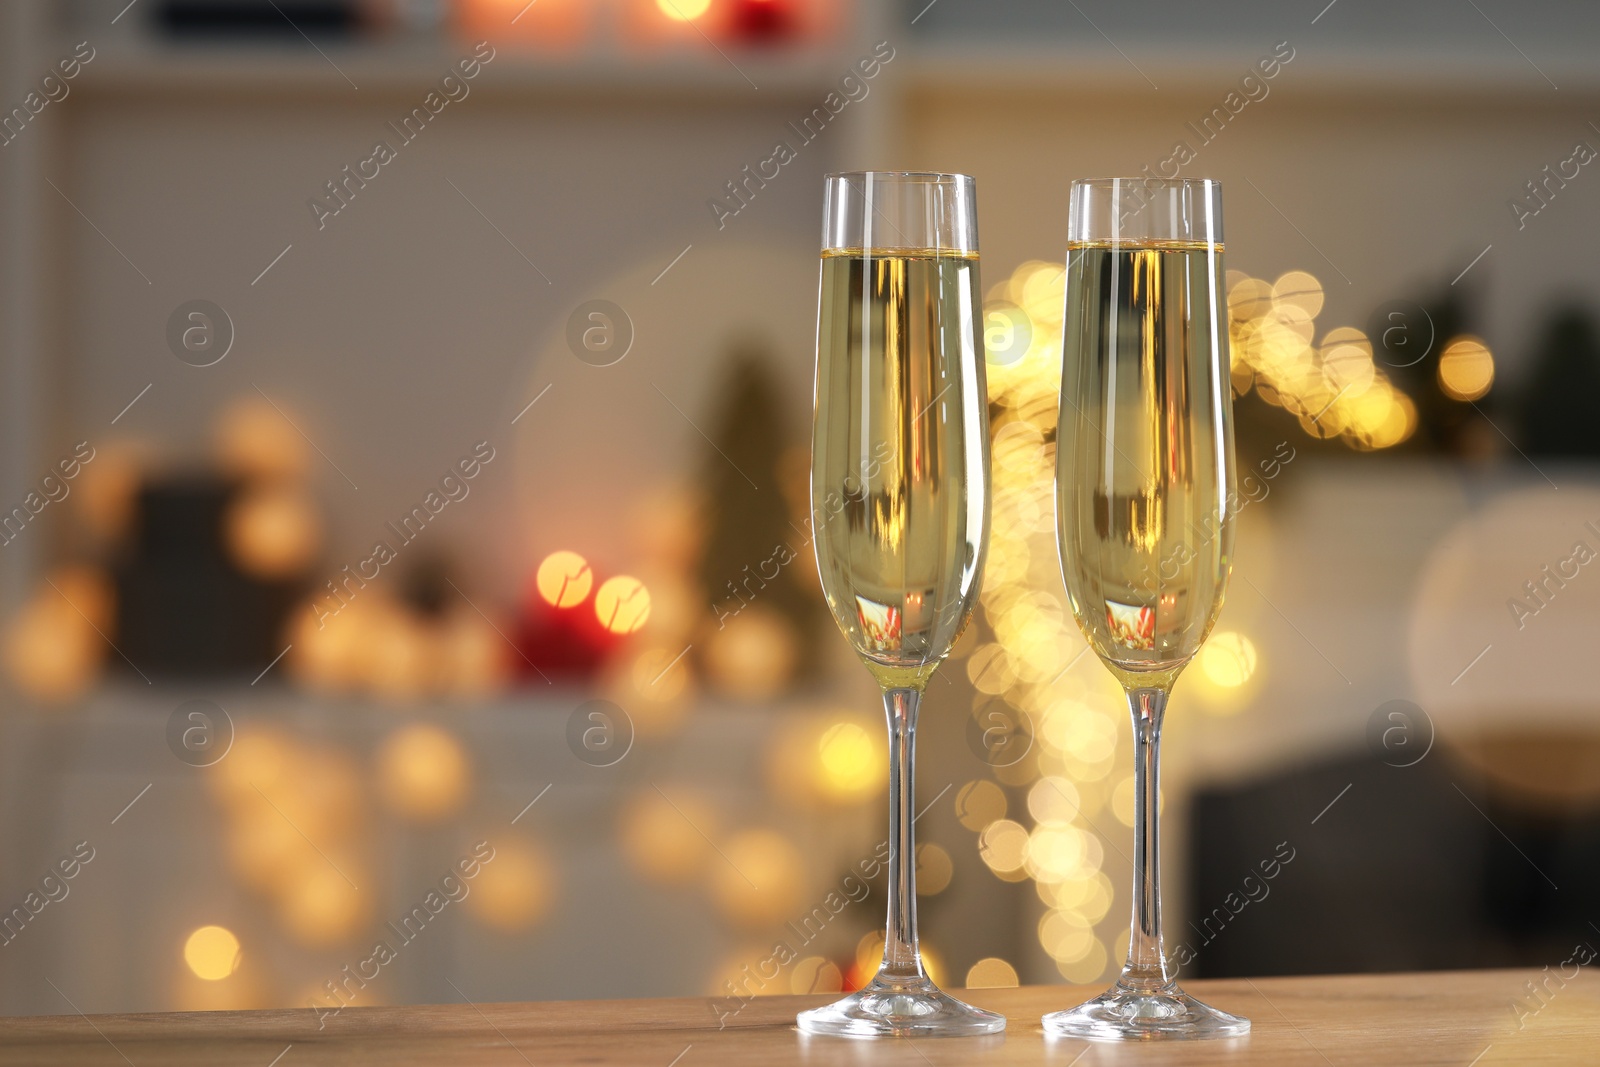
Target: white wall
column 1399, row 184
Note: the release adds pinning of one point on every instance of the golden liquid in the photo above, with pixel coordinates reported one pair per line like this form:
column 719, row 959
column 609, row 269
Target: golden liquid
column 900, row 454
column 1144, row 453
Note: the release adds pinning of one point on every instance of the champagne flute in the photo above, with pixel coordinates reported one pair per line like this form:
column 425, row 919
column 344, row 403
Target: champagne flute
column 1144, row 511
column 900, row 506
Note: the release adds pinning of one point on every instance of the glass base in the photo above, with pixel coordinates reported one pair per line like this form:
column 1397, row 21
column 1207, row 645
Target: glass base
column 900, row 1007
column 1123, row 1014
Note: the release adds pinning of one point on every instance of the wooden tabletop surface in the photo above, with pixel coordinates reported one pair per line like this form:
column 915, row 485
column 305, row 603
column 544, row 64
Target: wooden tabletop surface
column 1426, row 1020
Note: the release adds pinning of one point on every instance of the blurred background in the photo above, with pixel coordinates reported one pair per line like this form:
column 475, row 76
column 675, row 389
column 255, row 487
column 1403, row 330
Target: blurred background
column 403, row 533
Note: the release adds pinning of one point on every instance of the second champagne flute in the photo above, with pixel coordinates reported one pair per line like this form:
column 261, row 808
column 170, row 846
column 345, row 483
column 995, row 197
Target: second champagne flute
column 900, row 506
column 1144, row 491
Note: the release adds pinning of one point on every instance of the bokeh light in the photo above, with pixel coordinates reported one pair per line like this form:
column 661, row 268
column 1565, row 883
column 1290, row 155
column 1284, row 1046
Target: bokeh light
column 623, row 604
column 1228, row 659
column 398, row 654
column 869, row 952
column 1088, row 969
column 1053, row 799
column 753, row 655
column 1299, row 289
column 564, row 579
column 1123, row 800
column 255, row 440
column 991, row 972
column 761, row 879
column 1332, row 388
column 1003, row 846
column 934, row 869
column 815, row 974
column 851, row 762
column 472, row 656
column 212, row 952
column 1055, row 853
column 263, row 849
column 666, row 840
column 107, row 491
column 515, row 889
column 320, row 907
column 51, row 651
column 979, row 803
column 932, row 961
column 257, row 761
column 1466, row 368
column 423, row 772
column 1025, row 674
column 273, row 532
column 88, row 591
column 1248, row 298
column 660, row 674
column 683, row 10
column 1347, row 361
column 1066, row 935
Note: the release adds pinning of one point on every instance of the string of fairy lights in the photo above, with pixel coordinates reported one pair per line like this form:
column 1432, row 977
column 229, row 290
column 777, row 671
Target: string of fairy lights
column 1078, row 773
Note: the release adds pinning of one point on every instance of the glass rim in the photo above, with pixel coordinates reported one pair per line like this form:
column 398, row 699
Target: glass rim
column 915, row 209
column 918, row 177
column 1148, row 181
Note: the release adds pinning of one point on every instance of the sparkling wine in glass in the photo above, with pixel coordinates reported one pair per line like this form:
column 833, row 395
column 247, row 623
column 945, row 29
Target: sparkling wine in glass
column 1144, row 480
column 900, row 506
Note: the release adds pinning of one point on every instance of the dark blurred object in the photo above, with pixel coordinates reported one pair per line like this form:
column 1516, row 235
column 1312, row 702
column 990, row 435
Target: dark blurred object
column 1560, row 413
column 426, row 586
column 1403, row 871
column 183, row 607
column 258, row 18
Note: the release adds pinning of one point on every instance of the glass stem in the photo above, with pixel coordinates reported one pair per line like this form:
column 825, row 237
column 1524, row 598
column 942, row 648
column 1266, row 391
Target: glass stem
column 1146, row 969
column 900, row 957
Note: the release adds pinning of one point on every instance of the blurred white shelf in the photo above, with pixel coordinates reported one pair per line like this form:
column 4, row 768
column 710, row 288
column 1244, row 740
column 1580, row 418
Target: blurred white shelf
column 1335, row 70
column 295, row 68
column 140, row 65
column 161, row 866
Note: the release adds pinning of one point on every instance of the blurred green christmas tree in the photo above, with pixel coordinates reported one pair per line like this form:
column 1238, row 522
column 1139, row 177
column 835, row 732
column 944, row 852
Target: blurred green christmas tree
column 757, row 567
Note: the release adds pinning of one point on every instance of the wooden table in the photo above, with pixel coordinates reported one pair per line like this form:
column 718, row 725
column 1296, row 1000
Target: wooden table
column 1424, row 1020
